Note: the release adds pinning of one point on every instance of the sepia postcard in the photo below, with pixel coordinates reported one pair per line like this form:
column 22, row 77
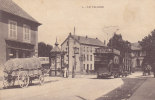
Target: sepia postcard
column 77, row 49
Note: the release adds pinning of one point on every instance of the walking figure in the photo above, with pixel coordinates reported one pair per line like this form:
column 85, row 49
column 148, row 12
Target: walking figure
column 144, row 69
column 153, row 68
column 149, row 69
column 65, row 72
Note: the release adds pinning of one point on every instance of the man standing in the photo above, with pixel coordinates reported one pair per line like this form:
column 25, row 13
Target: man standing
column 65, row 72
column 144, row 69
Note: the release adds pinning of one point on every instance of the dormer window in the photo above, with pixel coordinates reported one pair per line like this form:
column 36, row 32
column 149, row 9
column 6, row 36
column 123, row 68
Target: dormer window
column 26, row 33
column 12, row 29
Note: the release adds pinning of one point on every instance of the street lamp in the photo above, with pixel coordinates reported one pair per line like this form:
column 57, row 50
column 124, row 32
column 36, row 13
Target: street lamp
column 76, row 51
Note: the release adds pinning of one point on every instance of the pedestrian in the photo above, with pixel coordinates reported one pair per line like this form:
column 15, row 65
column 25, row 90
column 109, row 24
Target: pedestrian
column 144, row 69
column 65, row 72
column 153, row 68
column 149, row 69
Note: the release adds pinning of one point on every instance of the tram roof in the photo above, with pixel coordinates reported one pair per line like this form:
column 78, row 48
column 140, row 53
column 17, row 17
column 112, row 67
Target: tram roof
column 107, row 51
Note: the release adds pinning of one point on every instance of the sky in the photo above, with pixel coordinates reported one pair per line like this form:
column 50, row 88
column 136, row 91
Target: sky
column 134, row 19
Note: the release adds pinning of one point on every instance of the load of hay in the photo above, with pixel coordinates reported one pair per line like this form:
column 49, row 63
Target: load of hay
column 22, row 63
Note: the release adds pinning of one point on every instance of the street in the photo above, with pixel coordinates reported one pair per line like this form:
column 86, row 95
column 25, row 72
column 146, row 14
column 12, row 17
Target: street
column 86, row 87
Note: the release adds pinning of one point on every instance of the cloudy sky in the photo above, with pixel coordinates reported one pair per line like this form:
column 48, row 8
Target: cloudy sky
column 134, row 18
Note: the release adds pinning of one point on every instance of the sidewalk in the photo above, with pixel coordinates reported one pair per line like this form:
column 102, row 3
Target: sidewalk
column 146, row 91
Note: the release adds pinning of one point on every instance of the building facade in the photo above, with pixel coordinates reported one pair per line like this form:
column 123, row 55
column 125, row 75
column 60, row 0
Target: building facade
column 81, row 59
column 137, row 55
column 18, row 32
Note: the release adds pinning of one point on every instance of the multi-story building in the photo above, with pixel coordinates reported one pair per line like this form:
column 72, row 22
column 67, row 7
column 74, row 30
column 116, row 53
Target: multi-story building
column 18, row 32
column 83, row 61
column 137, row 55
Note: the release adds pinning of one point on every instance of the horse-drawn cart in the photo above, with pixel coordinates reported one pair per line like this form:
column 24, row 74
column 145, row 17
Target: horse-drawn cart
column 23, row 71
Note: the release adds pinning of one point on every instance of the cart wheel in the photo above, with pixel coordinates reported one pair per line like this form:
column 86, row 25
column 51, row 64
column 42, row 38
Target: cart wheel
column 23, row 79
column 41, row 79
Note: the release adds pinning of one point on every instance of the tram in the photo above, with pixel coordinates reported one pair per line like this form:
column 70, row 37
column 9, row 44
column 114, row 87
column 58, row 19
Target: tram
column 107, row 63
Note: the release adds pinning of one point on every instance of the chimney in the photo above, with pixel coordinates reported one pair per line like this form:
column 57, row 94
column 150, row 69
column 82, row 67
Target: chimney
column 96, row 38
column 86, row 36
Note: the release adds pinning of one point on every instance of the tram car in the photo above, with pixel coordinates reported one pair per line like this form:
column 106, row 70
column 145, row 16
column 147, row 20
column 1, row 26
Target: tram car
column 107, row 63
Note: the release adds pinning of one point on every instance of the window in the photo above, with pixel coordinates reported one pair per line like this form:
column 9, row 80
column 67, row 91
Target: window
column 87, row 57
column 13, row 29
column 90, row 66
column 84, row 49
column 91, row 58
column 90, row 49
column 26, row 33
column 87, row 67
column 84, row 66
column 67, row 43
column 84, row 58
column 87, row 49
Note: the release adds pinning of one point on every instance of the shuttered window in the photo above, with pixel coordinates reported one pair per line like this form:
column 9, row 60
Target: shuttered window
column 26, row 33
column 12, row 29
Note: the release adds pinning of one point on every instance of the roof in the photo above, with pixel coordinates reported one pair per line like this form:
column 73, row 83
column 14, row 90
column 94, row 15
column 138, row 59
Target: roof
column 11, row 7
column 25, row 63
column 136, row 46
column 56, row 49
column 86, row 40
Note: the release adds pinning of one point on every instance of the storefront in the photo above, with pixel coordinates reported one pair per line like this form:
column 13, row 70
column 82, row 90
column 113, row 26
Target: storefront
column 15, row 49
